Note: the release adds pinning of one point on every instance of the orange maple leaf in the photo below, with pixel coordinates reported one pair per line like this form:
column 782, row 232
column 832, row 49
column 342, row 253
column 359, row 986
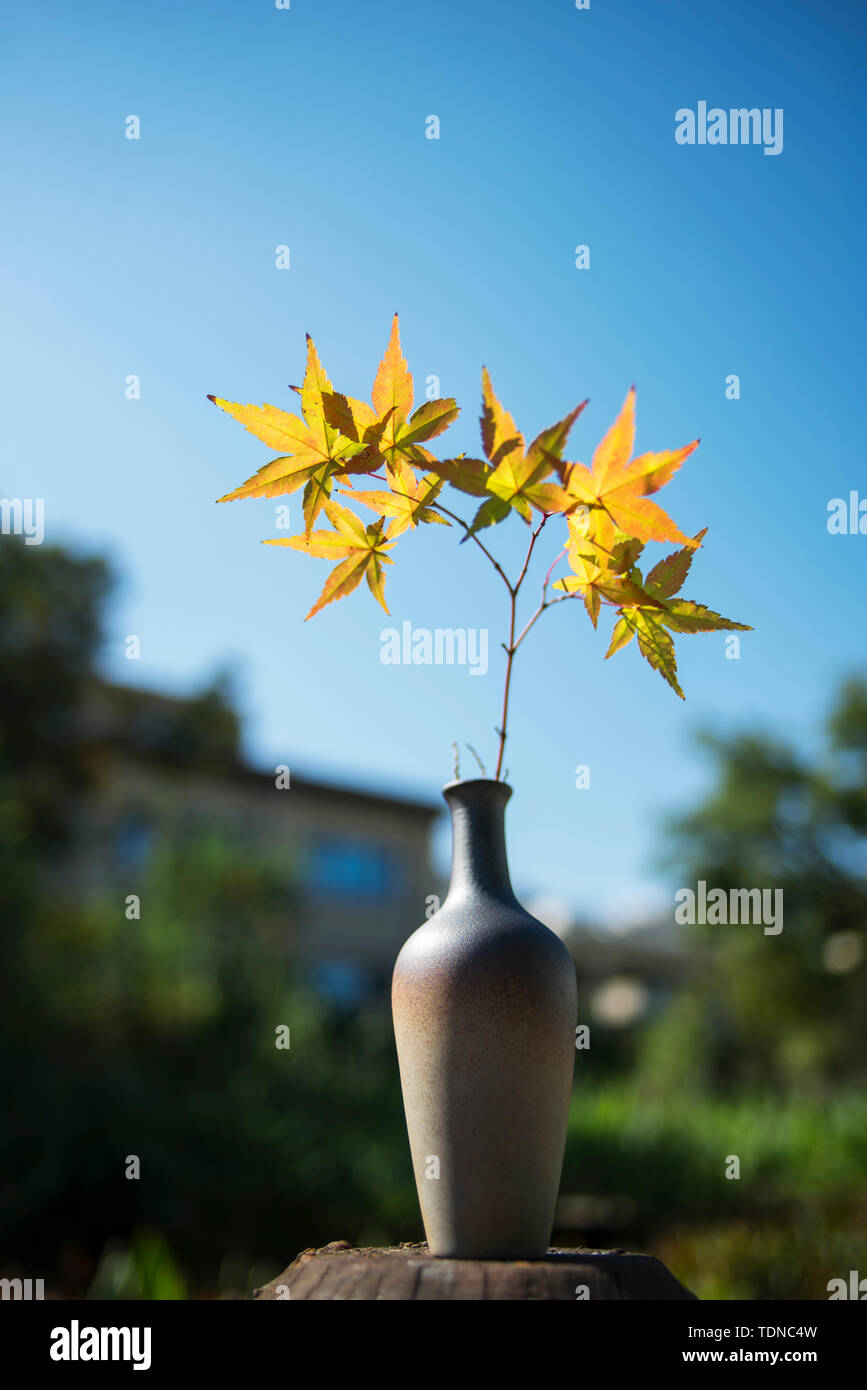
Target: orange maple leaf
column 622, row 488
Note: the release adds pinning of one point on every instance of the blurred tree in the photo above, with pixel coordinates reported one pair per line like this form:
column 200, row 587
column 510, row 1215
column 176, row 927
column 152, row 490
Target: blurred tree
column 50, row 633
column 784, row 1009
column 156, row 1037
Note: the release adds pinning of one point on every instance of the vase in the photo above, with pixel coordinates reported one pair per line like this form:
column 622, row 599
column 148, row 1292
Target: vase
column 484, row 1003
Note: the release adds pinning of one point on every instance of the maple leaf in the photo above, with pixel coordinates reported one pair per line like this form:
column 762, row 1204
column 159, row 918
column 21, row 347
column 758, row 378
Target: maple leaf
column 622, row 488
column 624, row 555
column 513, row 475
column 608, row 508
column 593, row 535
column 622, row 634
column 595, row 582
column 392, row 385
column 467, row 475
column 388, row 431
column 409, row 507
column 669, row 574
column 682, row 615
column 360, row 549
column 491, row 512
column 315, row 449
column 656, row 645
column 602, row 572
column 653, row 617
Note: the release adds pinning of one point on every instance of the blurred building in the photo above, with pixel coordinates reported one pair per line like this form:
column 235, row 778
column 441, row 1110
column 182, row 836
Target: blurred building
column 164, row 768
column 629, row 976
column 626, row 973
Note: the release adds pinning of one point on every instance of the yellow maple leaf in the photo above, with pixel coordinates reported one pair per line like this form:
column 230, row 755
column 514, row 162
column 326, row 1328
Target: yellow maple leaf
column 360, row 549
column 407, row 507
column 315, row 450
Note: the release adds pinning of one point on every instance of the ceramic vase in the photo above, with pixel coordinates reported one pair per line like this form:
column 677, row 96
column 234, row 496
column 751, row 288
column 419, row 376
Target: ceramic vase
column 484, row 1008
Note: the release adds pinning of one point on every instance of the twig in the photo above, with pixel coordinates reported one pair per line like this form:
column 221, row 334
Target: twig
column 478, row 759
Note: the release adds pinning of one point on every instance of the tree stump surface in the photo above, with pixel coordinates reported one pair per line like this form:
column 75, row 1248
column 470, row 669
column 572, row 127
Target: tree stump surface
column 407, row 1272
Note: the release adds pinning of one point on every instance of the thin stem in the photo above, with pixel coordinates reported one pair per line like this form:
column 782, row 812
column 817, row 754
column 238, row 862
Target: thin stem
column 513, row 645
column 551, row 568
column 510, row 657
column 514, row 589
column 550, row 603
column 544, row 601
column 529, row 555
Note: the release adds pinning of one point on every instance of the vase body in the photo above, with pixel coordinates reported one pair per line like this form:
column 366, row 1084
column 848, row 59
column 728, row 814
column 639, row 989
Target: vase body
column 484, row 1006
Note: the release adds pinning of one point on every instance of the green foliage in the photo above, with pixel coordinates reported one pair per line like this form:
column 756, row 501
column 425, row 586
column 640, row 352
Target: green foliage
column 790, row 1151
column 156, row 1271
column 50, row 632
column 157, row 1038
column 786, row 1009
column 145, row 1268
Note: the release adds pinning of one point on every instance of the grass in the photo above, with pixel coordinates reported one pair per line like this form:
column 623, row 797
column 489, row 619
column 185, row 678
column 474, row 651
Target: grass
column 792, row 1220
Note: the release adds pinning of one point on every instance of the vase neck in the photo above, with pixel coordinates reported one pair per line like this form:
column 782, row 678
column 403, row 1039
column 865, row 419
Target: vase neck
column 479, row 862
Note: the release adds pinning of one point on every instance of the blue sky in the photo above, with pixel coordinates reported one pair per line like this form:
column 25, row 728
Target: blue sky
column 306, row 127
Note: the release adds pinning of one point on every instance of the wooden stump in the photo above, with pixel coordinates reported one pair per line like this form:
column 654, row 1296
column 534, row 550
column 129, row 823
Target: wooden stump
column 340, row 1271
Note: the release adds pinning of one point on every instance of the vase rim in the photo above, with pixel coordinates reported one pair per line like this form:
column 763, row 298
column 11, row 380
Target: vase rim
column 468, row 782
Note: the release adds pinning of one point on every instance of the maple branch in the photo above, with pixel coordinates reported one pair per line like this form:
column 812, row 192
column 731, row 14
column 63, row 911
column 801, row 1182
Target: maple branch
column 556, row 560
column 549, row 603
column 610, row 498
column 529, row 555
column 514, row 643
column 544, row 601
column 510, row 657
column 514, row 590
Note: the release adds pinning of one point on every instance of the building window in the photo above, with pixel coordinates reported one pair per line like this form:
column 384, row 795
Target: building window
column 133, row 841
column 342, row 983
column 359, row 871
